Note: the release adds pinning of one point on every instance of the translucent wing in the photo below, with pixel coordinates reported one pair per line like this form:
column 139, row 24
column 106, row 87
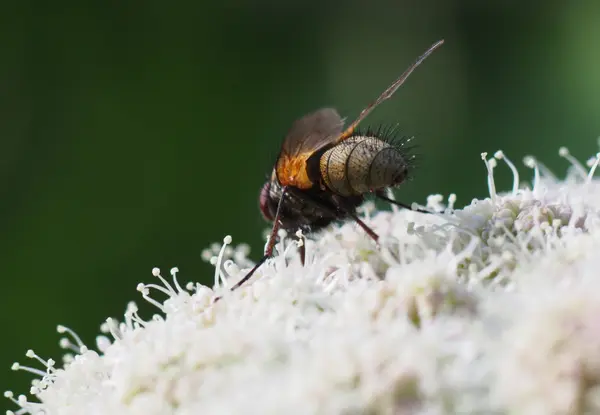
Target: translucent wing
column 312, row 132
column 388, row 92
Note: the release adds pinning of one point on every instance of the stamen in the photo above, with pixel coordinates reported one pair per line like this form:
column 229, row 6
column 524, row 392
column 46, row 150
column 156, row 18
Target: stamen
column 500, row 156
column 240, row 255
column 132, row 318
column 102, row 343
column 66, row 344
column 546, row 172
column 218, row 277
column 206, row 255
column 490, row 176
column 230, row 268
column 215, row 248
column 47, row 363
column 146, row 296
column 174, row 272
column 593, row 168
column 451, row 201
column 564, row 153
column 531, row 162
column 156, row 287
column 170, row 291
column 141, row 287
column 17, row 366
column 434, row 202
column 113, row 328
column 63, row 329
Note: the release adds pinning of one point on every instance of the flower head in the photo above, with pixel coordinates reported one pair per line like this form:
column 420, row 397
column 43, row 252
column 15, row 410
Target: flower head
column 453, row 312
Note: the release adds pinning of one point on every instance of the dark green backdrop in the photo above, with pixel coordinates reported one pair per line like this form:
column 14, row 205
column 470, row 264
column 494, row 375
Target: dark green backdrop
column 134, row 134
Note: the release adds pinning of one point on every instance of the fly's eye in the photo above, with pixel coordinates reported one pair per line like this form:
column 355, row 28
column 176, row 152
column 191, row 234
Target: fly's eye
column 264, row 202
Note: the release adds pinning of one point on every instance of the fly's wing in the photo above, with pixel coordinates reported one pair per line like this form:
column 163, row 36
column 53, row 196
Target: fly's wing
column 388, row 93
column 312, row 132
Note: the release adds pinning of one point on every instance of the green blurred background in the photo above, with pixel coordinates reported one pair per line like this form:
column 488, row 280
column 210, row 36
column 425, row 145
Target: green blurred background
column 134, row 134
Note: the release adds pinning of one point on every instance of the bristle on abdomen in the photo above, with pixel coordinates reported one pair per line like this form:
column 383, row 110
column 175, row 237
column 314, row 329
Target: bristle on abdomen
column 362, row 164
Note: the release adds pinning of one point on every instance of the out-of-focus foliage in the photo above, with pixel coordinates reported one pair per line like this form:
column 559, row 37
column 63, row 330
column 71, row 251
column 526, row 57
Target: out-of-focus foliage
column 133, row 135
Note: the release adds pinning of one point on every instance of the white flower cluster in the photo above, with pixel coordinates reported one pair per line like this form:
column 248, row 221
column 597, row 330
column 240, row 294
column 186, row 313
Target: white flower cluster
column 490, row 309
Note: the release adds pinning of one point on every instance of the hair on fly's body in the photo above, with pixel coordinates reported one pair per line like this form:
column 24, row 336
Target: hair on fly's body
column 324, row 172
column 376, row 149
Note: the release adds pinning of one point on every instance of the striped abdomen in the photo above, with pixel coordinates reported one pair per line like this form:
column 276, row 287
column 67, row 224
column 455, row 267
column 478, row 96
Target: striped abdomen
column 362, row 164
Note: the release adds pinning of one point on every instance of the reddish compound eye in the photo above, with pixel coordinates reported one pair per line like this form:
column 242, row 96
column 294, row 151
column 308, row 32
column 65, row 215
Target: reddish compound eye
column 264, row 201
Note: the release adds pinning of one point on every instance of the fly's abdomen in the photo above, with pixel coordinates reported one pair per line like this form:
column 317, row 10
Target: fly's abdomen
column 362, row 164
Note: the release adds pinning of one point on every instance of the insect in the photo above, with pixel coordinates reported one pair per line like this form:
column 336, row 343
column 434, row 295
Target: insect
column 324, row 171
